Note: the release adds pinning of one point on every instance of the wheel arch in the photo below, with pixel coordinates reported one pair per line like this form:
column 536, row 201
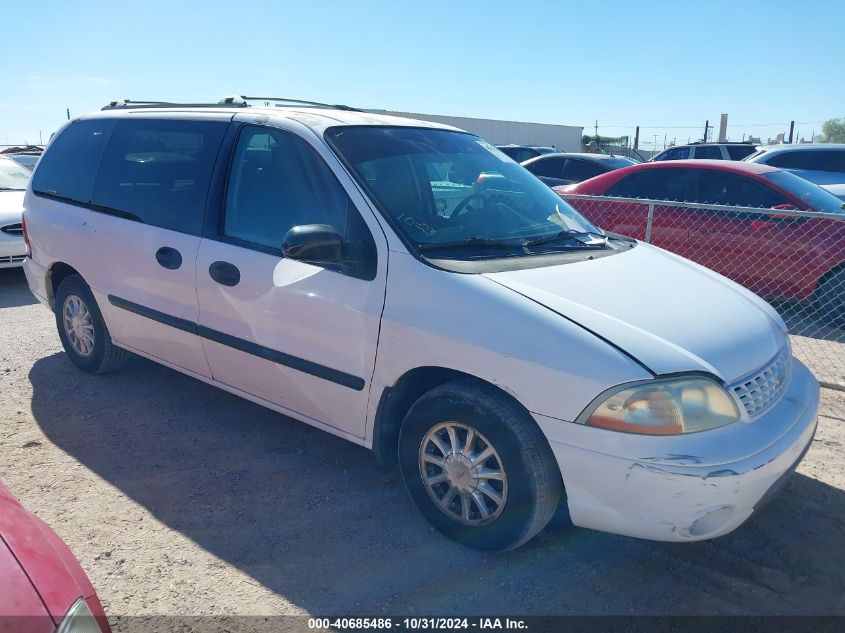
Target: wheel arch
column 396, row 400
column 55, row 274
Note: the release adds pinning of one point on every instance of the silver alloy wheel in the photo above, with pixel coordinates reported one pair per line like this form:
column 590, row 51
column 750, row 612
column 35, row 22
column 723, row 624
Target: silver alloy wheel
column 79, row 326
column 463, row 473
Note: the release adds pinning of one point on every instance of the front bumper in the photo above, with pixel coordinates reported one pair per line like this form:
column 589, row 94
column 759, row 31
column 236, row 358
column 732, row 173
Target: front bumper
column 12, row 251
column 696, row 496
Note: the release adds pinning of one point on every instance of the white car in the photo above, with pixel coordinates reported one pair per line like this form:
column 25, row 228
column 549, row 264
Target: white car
column 13, row 180
column 506, row 353
column 820, row 163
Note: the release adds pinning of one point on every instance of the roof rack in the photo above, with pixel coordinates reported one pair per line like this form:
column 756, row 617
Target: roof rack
column 233, row 101
column 720, row 143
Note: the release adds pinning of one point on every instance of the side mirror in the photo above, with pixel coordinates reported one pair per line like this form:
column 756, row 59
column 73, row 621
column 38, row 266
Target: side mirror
column 314, row 244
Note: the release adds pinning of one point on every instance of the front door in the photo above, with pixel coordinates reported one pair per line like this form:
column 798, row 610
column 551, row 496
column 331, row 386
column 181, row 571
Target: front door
column 300, row 336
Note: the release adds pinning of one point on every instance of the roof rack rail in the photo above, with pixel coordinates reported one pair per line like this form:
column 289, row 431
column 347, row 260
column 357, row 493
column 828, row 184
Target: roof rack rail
column 233, row 101
column 720, row 143
column 281, row 101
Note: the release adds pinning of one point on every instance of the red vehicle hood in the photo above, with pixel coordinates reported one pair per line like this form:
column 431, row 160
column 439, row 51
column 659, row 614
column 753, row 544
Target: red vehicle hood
column 44, row 564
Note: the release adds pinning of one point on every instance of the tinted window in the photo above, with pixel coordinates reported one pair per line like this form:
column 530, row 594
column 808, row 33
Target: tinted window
column 738, row 152
column 712, row 152
column 714, row 186
column 519, row 154
column 821, row 160
column 813, row 195
column 578, row 170
column 655, row 184
column 675, row 153
column 551, row 167
column 277, row 182
column 69, row 166
column 157, row 171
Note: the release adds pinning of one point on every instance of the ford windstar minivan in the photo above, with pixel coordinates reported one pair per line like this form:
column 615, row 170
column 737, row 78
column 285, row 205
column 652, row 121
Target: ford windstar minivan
column 408, row 287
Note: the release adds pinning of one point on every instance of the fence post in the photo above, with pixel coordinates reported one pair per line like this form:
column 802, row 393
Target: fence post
column 648, row 223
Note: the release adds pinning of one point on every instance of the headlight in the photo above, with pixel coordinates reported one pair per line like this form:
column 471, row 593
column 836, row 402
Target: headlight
column 666, row 407
column 79, row 619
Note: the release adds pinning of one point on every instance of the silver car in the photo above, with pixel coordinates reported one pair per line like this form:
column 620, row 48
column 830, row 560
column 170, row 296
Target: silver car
column 821, row 163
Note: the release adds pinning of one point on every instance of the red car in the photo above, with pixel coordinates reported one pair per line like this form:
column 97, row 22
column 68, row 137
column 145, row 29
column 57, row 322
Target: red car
column 42, row 586
column 775, row 255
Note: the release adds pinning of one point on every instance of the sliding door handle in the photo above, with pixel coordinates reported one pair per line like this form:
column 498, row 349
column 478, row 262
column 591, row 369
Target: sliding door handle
column 169, row 257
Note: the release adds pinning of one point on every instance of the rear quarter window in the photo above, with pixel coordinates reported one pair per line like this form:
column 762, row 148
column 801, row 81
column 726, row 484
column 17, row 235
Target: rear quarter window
column 68, row 168
column 157, row 171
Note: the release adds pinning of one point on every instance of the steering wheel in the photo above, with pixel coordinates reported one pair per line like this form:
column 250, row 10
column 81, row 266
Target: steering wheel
column 462, row 205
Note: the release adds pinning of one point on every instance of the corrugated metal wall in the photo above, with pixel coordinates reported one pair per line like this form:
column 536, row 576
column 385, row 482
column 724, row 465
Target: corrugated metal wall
column 566, row 138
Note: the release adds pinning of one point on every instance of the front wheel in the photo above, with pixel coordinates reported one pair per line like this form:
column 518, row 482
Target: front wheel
column 478, row 467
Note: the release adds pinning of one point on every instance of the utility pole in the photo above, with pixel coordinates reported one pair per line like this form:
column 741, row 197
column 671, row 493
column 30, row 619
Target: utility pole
column 68, row 114
column 706, row 126
column 40, row 138
column 637, row 139
column 597, row 131
column 654, row 145
column 791, row 130
column 664, row 141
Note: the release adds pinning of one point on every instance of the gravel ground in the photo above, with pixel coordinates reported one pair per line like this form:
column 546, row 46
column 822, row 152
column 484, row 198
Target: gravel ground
column 181, row 499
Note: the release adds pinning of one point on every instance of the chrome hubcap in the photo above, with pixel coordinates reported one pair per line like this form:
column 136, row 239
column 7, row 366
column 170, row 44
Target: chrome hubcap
column 463, row 473
column 79, row 326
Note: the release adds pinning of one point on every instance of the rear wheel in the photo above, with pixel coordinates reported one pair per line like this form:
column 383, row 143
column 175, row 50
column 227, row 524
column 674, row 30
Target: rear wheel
column 478, row 467
column 829, row 300
column 83, row 332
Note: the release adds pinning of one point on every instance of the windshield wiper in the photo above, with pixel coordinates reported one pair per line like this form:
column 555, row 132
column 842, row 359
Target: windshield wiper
column 569, row 234
column 470, row 242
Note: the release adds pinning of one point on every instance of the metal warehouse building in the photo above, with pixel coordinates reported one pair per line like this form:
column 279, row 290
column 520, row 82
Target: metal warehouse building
column 566, row 138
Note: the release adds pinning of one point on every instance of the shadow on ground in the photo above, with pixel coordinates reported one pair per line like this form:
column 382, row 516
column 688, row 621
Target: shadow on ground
column 312, row 518
column 14, row 291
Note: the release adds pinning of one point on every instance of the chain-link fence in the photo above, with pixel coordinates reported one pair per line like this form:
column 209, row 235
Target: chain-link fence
column 793, row 259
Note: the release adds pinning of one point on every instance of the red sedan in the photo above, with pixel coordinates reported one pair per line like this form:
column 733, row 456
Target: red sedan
column 775, row 255
column 42, row 586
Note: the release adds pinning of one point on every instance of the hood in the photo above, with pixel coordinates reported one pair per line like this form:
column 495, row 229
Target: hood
column 11, row 206
column 46, row 561
column 670, row 314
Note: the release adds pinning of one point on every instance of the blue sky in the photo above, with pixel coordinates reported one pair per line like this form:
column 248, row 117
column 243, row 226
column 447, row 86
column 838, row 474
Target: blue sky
column 666, row 66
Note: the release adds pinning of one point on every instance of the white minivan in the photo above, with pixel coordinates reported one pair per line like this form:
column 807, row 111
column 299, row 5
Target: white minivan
column 408, row 287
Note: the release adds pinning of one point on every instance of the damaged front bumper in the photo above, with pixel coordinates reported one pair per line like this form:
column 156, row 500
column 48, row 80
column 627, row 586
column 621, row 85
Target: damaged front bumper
column 696, row 488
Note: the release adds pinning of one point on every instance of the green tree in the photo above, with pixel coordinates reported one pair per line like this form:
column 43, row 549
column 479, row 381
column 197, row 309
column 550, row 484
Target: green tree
column 833, row 131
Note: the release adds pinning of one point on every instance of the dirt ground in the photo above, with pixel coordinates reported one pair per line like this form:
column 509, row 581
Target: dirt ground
column 181, row 499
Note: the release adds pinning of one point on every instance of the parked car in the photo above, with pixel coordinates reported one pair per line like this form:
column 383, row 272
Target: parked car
column 396, row 283
column 709, row 151
column 522, row 153
column 42, row 585
column 27, row 156
column 568, row 168
column 13, row 181
column 823, row 164
column 805, row 257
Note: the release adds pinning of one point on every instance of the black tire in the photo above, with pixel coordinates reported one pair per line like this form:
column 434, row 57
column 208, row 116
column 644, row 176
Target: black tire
column 105, row 356
column 829, row 299
column 534, row 486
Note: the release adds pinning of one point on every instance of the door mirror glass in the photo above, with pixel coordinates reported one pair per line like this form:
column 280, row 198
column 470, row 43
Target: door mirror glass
column 314, row 244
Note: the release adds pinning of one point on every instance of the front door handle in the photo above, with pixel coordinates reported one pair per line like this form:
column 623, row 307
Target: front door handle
column 225, row 273
column 169, row 257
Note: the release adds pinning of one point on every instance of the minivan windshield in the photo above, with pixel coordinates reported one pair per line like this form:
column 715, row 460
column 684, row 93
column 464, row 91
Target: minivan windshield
column 446, row 189
column 812, row 194
column 13, row 177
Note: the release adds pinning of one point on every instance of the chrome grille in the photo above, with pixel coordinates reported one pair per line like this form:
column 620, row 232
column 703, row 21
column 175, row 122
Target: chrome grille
column 762, row 389
column 13, row 229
